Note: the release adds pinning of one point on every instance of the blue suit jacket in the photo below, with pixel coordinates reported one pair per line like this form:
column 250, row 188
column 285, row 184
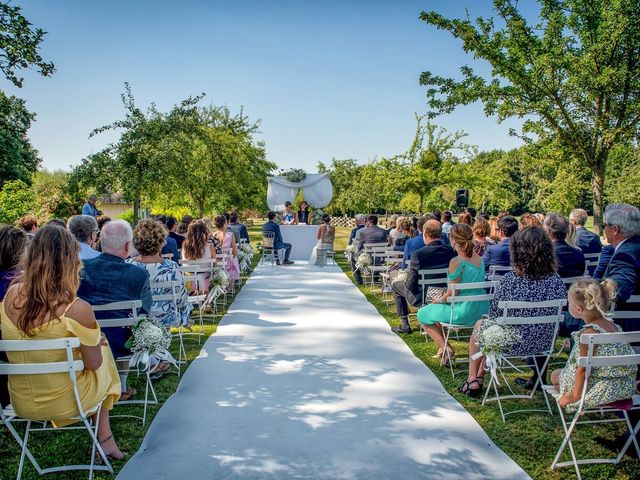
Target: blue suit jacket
column 171, row 247
column 603, row 263
column 588, row 241
column 241, row 229
column 107, row 279
column 411, row 246
column 624, row 268
column 272, row 226
column 498, row 254
column 88, row 209
column 353, row 233
column 570, row 259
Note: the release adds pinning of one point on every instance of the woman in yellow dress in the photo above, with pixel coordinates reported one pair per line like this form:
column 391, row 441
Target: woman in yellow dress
column 41, row 305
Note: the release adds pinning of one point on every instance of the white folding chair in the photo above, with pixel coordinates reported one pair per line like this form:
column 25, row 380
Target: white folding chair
column 393, row 258
column 434, row 277
column 506, row 319
column 591, row 261
column 132, row 307
column 268, row 250
column 591, row 361
column 378, row 253
column 197, row 284
column 457, row 297
column 496, row 272
column 167, row 256
column 169, row 291
column 69, row 367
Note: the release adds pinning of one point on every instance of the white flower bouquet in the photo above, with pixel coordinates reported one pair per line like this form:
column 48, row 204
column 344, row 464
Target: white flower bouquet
column 363, row 262
column 349, row 251
column 218, row 282
column 494, row 339
column 149, row 338
column 401, row 276
column 245, row 256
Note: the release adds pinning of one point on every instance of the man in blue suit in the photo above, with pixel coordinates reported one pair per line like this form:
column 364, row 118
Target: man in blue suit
column 415, row 243
column 278, row 243
column 570, row 259
column 499, row 254
column 586, row 240
column 360, row 219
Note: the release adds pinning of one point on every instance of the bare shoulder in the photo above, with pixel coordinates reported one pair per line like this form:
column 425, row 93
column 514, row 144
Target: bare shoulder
column 82, row 313
column 453, row 264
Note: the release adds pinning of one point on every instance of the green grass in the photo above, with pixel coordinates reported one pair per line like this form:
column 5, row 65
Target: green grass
column 531, row 439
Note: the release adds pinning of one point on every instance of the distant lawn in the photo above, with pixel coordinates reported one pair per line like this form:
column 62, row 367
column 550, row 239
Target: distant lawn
column 531, row 439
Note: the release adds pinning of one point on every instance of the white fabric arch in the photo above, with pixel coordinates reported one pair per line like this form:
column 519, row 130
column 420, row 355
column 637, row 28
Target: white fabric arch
column 316, row 189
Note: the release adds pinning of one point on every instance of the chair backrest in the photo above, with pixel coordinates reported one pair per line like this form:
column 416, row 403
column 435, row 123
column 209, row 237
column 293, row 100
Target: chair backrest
column 268, row 239
column 205, row 262
column 592, row 340
column 69, row 365
column 456, row 288
column 590, row 266
column 568, row 281
column 432, row 277
column 168, row 256
column 592, row 257
column 169, row 291
column 496, row 272
column 131, row 306
column 195, row 273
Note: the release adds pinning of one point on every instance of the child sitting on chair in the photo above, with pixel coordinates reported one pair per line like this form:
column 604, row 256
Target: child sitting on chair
column 589, row 301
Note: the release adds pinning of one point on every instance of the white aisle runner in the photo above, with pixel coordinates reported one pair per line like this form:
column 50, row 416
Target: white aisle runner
column 304, row 380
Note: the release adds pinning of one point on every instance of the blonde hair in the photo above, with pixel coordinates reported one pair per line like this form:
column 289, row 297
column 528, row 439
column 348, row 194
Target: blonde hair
column 462, row 235
column 595, row 295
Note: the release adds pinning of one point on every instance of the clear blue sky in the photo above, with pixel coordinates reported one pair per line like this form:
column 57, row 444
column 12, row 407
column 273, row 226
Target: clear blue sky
column 333, row 78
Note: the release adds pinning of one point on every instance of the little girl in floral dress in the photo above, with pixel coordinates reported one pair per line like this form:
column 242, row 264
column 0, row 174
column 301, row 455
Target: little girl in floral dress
column 589, row 300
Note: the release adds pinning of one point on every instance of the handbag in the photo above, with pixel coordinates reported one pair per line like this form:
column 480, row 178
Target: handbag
column 434, row 293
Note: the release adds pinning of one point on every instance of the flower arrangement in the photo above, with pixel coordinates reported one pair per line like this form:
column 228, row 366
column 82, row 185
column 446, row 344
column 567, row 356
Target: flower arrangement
column 245, row 256
column 349, row 251
column 295, row 175
column 401, row 276
column 316, row 216
column 149, row 338
column 363, row 262
column 259, row 247
column 494, row 339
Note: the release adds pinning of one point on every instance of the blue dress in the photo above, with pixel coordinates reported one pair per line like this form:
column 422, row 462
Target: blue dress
column 464, row 313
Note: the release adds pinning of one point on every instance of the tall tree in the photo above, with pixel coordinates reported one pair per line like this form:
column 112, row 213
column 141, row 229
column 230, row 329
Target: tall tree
column 18, row 159
column 575, row 74
column 19, row 44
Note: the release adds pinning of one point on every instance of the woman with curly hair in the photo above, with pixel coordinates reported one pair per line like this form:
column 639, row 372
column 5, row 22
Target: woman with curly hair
column 534, row 279
column 467, row 267
column 149, row 237
column 529, row 220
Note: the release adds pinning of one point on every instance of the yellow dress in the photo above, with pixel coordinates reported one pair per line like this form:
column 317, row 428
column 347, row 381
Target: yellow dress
column 50, row 397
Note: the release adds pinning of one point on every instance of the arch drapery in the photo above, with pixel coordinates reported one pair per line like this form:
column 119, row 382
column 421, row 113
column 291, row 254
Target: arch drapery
column 316, row 189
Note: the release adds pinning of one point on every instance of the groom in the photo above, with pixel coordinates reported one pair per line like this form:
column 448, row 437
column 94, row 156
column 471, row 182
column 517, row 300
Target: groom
column 278, row 244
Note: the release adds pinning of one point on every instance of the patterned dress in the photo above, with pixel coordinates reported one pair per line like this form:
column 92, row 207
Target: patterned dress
column 535, row 338
column 606, row 384
column 164, row 310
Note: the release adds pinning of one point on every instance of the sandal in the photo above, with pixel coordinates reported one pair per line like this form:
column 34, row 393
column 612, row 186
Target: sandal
column 471, row 392
column 126, row 395
column 480, row 379
column 449, row 359
column 438, row 354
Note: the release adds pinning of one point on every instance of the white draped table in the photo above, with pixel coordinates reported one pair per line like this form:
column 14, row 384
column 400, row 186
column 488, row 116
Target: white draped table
column 302, row 239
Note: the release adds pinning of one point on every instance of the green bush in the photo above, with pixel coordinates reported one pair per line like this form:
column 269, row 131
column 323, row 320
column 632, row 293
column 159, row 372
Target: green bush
column 16, row 200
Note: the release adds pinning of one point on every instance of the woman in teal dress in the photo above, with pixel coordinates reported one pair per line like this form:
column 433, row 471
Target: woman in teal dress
column 467, row 267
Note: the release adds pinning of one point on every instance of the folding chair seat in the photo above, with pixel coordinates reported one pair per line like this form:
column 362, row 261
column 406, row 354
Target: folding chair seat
column 197, row 284
column 69, row 367
column 132, row 307
column 455, row 298
column 591, row 361
column 547, row 312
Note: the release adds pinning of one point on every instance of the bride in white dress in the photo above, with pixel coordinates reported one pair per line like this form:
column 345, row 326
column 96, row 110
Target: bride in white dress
column 326, row 236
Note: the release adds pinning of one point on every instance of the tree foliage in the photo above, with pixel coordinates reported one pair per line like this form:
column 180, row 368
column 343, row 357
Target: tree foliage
column 18, row 159
column 16, row 200
column 19, row 44
column 575, row 75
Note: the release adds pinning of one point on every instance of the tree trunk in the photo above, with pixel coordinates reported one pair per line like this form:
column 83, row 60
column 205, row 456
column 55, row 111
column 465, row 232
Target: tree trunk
column 597, row 182
column 421, row 203
column 136, row 211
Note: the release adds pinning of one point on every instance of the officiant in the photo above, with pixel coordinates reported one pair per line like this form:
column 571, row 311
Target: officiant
column 303, row 216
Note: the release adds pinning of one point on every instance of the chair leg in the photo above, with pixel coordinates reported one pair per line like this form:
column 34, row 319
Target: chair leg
column 24, row 449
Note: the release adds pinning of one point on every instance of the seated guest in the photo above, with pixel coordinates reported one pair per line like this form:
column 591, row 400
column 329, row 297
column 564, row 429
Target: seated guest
column 472, row 213
column 404, row 233
column 360, row 220
column 447, row 221
column 493, row 223
column 435, row 254
column 570, row 259
column 589, row 301
column 326, row 236
column 529, row 220
column 85, row 230
column 13, row 242
column 392, row 224
column 42, row 305
column 278, row 243
column 499, row 254
column 288, row 217
column 481, row 239
column 108, row 278
column 467, row 267
column 534, row 279
column 622, row 229
column 416, row 242
column 465, row 218
column 603, row 262
column 172, row 226
column 148, row 239
column 183, row 226
column 484, row 215
column 170, row 246
column 225, row 240
column 303, row 215
column 372, row 233
column 196, row 245
column 239, row 229
column 572, row 236
column 29, row 224
column 587, row 241
column 58, row 221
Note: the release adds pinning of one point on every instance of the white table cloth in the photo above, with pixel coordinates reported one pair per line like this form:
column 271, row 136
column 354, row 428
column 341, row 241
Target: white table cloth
column 302, row 239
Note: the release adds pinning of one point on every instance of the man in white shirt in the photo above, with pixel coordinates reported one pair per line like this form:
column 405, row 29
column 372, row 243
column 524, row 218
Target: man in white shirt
column 85, row 229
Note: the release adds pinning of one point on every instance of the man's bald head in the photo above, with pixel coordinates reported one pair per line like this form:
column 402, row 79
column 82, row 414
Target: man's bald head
column 432, row 230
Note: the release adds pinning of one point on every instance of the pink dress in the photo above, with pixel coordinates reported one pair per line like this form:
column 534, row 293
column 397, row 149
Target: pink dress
column 232, row 266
